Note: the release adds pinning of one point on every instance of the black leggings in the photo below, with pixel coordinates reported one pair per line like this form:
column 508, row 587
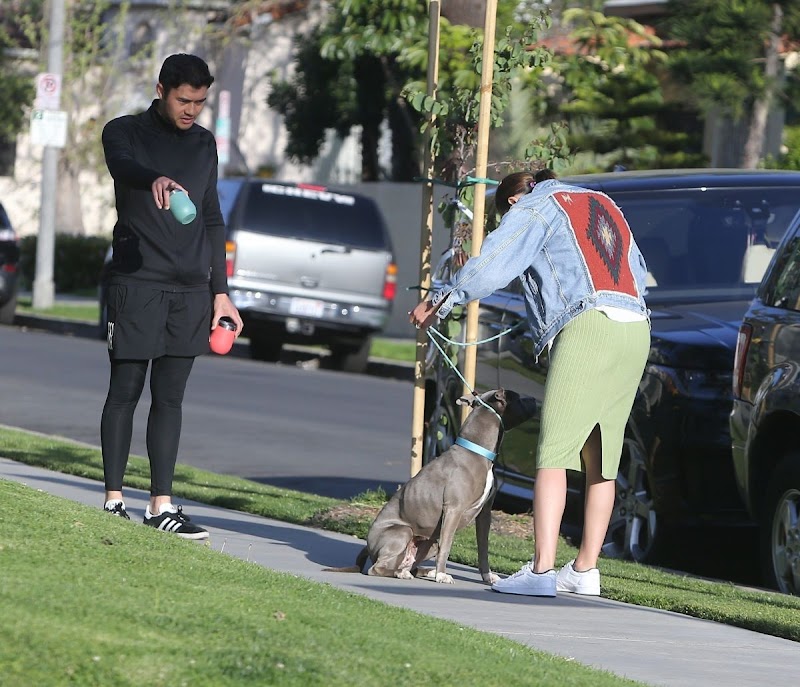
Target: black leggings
column 168, row 376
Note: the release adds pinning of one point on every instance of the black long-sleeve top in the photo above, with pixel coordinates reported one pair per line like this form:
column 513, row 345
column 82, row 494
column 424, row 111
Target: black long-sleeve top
column 150, row 245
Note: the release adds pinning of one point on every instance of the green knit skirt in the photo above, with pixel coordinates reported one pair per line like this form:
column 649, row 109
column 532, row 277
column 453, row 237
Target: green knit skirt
column 596, row 364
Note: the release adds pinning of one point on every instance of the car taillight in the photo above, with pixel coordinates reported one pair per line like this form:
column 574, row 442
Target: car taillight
column 390, row 283
column 742, row 344
column 230, row 257
column 10, row 267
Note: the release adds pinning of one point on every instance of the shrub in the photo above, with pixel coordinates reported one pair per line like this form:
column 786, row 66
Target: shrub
column 76, row 263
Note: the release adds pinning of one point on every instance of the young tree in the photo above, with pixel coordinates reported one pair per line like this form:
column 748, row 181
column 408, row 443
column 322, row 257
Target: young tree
column 456, row 107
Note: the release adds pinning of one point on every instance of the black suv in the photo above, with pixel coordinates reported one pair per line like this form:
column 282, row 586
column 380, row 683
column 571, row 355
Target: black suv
column 707, row 237
column 765, row 421
column 9, row 262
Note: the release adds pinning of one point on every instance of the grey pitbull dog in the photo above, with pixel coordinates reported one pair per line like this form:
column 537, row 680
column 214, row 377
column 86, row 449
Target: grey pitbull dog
column 445, row 496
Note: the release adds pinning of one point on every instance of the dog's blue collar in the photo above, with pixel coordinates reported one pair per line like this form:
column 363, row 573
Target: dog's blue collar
column 467, row 444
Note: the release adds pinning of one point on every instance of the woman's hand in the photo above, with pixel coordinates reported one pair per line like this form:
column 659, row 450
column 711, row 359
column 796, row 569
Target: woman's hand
column 423, row 315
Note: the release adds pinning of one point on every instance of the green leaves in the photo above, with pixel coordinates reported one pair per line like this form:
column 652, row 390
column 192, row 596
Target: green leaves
column 457, row 105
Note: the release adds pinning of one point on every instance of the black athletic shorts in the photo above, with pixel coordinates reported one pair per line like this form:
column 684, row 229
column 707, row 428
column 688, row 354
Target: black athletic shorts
column 146, row 322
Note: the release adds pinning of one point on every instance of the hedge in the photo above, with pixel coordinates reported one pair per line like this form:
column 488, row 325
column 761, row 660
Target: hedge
column 76, row 263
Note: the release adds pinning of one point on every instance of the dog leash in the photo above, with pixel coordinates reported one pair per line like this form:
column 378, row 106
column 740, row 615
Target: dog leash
column 464, row 344
column 455, row 369
column 465, row 443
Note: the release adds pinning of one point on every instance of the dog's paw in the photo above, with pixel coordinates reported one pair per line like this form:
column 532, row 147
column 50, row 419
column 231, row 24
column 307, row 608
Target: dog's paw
column 404, row 575
column 490, row 578
column 443, row 578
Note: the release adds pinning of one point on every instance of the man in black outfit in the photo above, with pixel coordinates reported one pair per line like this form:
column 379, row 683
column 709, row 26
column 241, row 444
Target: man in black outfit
column 168, row 284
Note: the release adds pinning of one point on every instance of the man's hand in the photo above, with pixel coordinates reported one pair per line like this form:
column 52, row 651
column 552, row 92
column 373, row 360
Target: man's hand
column 161, row 189
column 223, row 307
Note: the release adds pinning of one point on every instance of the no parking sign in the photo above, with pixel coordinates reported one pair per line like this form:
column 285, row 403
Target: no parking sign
column 48, row 123
column 48, row 91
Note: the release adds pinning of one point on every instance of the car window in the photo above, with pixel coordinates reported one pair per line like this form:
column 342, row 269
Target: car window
column 709, row 242
column 706, row 243
column 314, row 214
column 784, row 288
column 227, row 190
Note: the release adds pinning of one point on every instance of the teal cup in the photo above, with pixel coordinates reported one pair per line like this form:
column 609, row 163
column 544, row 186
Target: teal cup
column 181, row 206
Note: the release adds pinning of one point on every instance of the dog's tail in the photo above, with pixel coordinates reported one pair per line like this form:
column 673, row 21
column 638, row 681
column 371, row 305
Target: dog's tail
column 357, row 568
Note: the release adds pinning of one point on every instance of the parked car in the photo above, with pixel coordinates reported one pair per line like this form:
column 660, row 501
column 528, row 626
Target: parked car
column 707, row 237
column 306, row 265
column 309, row 265
column 9, row 263
column 765, row 420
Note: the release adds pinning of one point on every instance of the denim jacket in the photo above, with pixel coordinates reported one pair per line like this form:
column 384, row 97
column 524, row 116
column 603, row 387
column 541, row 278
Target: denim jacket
column 572, row 249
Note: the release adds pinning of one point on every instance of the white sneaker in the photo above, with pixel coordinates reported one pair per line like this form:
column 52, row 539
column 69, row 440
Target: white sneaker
column 586, row 582
column 528, row 583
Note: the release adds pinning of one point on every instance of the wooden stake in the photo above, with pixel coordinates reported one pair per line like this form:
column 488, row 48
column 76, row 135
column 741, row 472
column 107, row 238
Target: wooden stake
column 426, row 242
column 478, row 211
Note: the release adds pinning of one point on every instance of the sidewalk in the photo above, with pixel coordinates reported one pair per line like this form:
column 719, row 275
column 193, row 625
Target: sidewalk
column 651, row 646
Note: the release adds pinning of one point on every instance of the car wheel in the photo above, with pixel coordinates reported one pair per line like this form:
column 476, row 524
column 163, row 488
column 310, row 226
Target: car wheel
column 780, row 527
column 265, row 347
column 633, row 532
column 349, row 358
column 8, row 310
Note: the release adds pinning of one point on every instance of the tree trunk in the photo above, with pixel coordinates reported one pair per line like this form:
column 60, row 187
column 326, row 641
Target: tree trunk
column 756, row 136
column 371, row 105
column 405, row 143
column 69, row 210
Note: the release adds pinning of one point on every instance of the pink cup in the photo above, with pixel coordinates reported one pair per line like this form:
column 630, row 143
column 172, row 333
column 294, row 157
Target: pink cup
column 221, row 339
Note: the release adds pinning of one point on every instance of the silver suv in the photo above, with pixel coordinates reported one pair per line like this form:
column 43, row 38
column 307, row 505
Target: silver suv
column 307, row 265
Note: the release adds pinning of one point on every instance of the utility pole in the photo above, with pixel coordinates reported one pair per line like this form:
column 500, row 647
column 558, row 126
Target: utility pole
column 43, row 287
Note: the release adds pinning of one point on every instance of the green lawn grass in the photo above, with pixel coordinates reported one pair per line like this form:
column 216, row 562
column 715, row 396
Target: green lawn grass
column 88, row 311
column 87, row 599
column 762, row 611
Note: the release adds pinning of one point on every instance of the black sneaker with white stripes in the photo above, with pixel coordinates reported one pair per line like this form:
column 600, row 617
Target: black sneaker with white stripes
column 173, row 520
column 116, row 508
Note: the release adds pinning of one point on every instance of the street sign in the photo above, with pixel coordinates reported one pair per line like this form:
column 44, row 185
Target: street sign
column 48, row 91
column 49, row 128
